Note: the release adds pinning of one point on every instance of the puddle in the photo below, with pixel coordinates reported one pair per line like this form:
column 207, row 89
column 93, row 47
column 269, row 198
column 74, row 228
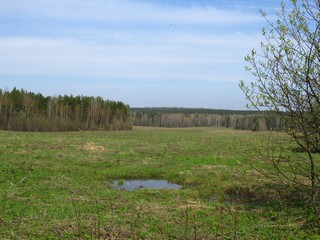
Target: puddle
column 132, row 185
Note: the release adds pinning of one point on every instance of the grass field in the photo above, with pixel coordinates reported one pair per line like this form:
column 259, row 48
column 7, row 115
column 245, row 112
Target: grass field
column 58, row 186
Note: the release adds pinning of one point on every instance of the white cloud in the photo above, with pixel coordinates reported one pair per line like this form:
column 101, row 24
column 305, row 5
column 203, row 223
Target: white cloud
column 124, row 11
column 128, row 52
column 185, row 57
column 124, row 44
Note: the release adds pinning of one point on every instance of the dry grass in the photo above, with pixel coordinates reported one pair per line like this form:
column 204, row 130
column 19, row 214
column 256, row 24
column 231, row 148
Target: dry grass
column 92, row 147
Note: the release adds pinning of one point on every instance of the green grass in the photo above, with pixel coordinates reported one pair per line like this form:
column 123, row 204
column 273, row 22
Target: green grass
column 55, row 186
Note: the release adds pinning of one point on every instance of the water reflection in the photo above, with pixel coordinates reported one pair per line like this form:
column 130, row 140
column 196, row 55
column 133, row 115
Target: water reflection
column 132, row 185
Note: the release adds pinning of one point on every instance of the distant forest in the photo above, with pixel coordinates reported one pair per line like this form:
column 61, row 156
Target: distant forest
column 158, row 110
column 194, row 117
column 21, row 110
column 26, row 111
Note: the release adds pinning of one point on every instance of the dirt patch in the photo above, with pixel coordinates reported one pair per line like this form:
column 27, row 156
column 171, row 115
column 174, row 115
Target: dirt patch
column 92, row 147
column 208, row 167
column 191, row 205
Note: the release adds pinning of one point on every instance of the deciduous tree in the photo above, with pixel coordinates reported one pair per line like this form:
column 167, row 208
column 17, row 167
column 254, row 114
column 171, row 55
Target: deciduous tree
column 287, row 82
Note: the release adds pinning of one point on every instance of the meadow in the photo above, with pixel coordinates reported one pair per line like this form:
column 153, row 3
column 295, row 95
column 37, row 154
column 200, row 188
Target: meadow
column 58, row 185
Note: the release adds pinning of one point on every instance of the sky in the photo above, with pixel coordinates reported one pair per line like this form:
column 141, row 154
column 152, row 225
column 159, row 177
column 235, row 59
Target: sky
column 145, row 53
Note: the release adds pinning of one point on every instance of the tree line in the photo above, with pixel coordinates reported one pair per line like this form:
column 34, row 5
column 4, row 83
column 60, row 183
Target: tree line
column 156, row 110
column 224, row 118
column 21, row 110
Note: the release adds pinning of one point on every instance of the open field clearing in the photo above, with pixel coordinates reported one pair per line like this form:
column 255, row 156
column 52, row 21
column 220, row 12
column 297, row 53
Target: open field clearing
column 60, row 186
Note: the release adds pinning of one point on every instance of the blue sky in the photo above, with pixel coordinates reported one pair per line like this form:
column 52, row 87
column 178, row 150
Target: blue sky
column 143, row 52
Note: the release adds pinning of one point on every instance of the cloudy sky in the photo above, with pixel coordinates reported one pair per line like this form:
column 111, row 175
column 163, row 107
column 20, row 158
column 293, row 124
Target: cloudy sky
column 176, row 53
